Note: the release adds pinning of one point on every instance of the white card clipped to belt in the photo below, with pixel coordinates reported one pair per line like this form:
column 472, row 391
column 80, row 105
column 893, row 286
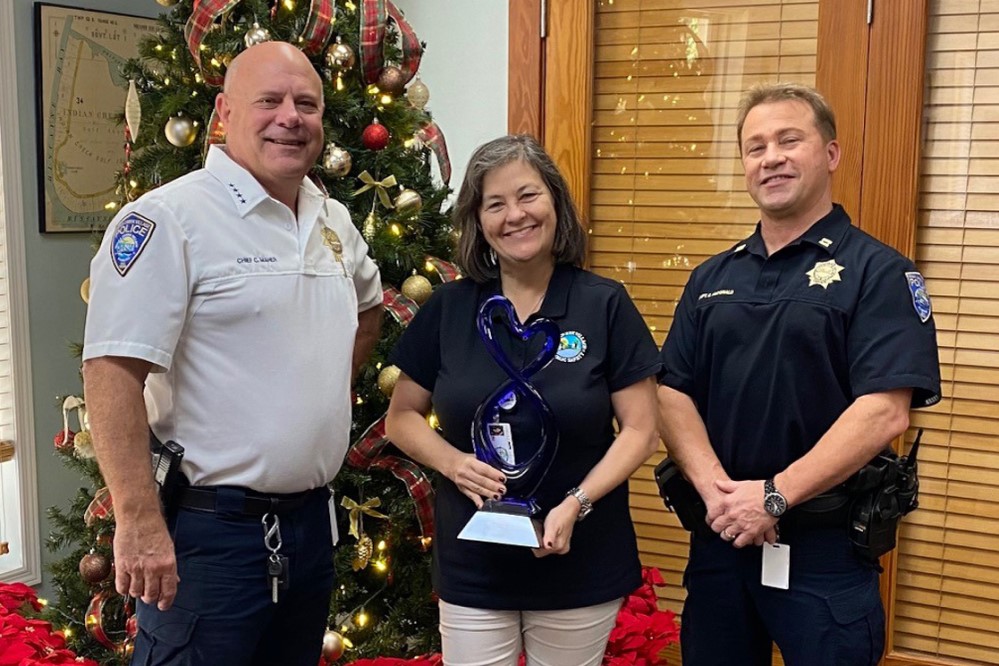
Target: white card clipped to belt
column 776, row 566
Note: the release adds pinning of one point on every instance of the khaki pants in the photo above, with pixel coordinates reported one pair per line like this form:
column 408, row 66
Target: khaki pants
column 572, row 637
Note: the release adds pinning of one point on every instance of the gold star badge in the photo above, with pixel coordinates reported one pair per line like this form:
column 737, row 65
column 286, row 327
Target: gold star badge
column 824, row 273
column 332, row 241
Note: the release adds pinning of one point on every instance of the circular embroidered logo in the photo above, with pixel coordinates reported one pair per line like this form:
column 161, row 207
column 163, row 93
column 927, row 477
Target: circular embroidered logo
column 571, row 347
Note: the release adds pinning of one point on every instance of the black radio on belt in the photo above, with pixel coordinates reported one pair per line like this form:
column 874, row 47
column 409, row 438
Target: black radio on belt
column 167, row 457
column 887, row 488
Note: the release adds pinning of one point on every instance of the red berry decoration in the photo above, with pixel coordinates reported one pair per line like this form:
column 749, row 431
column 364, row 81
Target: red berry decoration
column 375, row 136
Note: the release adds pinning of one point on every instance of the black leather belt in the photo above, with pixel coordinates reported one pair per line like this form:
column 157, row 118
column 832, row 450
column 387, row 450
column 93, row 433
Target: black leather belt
column 254, row 504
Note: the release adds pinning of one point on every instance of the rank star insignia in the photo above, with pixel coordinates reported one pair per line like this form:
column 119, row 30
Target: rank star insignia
column 824, row 273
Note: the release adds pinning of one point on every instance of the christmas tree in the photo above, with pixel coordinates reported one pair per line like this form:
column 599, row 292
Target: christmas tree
column 381, row 145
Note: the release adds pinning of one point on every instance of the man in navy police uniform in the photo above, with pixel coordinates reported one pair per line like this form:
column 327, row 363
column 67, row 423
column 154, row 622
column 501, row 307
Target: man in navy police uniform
column 793, row 360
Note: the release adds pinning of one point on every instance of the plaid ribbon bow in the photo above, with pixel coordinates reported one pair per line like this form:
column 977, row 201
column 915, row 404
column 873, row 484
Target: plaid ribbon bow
column 373, row 17
column 366, row 453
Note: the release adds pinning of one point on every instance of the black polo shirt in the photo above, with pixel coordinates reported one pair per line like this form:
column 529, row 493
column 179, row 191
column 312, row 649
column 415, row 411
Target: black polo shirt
column 606, row 346
column 773, row 349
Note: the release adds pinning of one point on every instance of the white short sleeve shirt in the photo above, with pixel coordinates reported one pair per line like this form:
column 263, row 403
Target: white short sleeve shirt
column 248, row 316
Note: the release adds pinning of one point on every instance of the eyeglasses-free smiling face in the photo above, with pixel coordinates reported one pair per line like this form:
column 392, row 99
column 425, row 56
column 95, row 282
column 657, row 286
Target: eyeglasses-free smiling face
column 272, row 111
column 517, row 215
column 788, row 163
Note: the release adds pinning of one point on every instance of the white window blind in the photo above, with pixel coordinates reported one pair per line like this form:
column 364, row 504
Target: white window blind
column 19, row 520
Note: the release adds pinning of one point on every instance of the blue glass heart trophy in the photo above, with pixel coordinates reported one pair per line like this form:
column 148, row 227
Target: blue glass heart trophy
column 512, row 519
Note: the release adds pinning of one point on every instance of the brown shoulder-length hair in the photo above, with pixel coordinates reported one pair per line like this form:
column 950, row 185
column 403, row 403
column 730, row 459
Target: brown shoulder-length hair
column 764, row 93
column 473, row 251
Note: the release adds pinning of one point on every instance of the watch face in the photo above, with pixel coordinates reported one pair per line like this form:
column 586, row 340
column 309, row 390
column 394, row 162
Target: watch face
column 775, row 504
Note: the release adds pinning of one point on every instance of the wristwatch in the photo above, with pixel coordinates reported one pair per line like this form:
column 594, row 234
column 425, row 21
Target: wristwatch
column 585, row 505
column 774, row 503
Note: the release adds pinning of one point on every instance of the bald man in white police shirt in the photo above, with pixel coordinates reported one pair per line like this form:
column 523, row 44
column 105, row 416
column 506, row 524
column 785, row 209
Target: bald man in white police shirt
column 229, row 310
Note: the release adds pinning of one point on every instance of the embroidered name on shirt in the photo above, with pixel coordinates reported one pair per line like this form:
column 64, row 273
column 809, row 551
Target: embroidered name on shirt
column 720, row 292
column 255, row 260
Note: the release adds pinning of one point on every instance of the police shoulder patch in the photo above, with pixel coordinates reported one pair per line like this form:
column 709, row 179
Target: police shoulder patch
column 920, row 297
column 130, row 238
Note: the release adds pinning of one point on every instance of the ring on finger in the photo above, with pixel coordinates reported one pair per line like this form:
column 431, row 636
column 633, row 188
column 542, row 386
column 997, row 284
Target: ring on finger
column 728, row 537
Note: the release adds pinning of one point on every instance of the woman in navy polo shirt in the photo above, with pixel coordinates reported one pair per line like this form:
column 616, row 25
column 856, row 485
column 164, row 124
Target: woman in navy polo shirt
column 521, row 237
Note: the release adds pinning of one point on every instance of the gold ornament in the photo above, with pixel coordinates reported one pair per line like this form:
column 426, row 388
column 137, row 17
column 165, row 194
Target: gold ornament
column 417, row 288
column 455, row 236
column 340, row 57
column 336, row 160
column 362, row 553
column 387, row 379
column 226, row 59
column 418, row 94
column 370, row 227
column 85, row 291
column 167, row 3
column 94, row 568
column 409, row 203
column 83, row 445
column 392, row 80
column 333, row 646
column 256, row 35
column 180, row 131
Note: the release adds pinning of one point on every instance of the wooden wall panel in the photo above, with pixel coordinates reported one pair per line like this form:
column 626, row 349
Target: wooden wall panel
column 526, row 64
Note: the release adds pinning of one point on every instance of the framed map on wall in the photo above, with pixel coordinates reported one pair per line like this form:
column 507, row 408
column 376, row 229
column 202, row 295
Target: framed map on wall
column 81, row 100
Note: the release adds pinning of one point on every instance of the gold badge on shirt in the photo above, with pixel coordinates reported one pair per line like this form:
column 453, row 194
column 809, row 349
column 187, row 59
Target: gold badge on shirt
column 332, row 241
column 824, row 273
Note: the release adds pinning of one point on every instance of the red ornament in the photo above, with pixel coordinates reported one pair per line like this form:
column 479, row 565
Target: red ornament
column 375, row 136
column 64, row 440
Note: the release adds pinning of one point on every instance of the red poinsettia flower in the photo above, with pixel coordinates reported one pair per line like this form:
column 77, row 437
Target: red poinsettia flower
column 15, row 595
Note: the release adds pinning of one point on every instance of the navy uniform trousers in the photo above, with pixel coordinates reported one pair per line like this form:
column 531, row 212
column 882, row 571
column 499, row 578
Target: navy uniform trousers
column 223, row 613
column 831, row 616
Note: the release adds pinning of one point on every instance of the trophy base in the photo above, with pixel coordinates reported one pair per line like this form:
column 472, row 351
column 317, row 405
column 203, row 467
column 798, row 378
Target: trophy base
column 502, row 523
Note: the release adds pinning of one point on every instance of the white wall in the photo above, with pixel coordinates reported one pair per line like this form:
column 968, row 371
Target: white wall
column 465, row 67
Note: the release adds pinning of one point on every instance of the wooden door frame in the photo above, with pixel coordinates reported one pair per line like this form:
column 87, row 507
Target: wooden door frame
column 873, row 75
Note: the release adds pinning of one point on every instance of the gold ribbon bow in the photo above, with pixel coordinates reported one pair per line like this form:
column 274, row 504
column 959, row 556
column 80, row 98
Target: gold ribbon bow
column 380, row 187
column 355, row 510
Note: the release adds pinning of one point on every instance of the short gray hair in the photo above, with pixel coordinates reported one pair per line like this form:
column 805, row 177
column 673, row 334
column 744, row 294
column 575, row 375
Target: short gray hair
column 473, row 250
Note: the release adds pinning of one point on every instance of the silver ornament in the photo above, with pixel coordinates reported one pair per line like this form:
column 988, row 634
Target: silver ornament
column 336, row 160
column 256, row 35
